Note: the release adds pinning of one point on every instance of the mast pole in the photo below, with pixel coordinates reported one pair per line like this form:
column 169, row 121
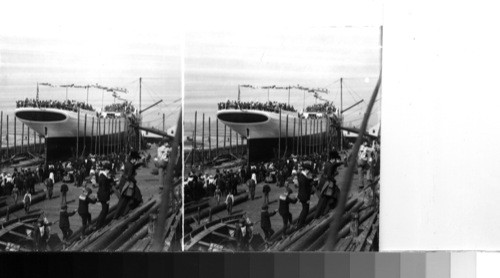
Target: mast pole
column 87, row 94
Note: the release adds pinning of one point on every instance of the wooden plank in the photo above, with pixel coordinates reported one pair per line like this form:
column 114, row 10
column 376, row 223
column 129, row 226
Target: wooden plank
column 367, row 227
column 20, row 235
column 371, row 237
column 188, row 245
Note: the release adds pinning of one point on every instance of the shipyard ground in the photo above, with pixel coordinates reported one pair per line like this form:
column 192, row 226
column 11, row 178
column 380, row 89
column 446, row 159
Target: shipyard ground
column 253, row 207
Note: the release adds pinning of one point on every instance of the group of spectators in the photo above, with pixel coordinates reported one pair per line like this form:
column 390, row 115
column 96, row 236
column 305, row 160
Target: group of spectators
column 124, row 107
column 326, row 107
column 271, row 106
column 71, row 105
column 19, row 183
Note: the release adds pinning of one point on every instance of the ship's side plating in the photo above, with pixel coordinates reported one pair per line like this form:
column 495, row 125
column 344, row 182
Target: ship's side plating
column 298, row 135
column 61, row 129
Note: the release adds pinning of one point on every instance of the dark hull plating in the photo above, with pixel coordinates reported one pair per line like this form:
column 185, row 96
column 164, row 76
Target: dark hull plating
column 63, row 148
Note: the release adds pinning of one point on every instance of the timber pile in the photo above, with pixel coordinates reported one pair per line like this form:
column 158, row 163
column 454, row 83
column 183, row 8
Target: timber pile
column 13, row 233
column 35, row 198
column 208, row 211
column 313, row 236
column 129, row 231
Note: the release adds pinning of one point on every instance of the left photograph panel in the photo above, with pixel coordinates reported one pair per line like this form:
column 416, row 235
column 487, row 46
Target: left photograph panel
column 89, row 155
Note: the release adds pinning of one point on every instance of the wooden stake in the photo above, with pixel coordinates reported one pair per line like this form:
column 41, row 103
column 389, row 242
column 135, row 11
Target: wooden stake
column 15, row 136
column 216, row 137
column 78, row 133
column 28, row 130
column 92, row 140
column 286, row 128
column 279, row 137
column 294, row 138
column 7, row 122
column 84, row 135
column 194, row 139
column 209, row 141
column 203, row 139
column 1, row 129
column 22, row 137
column 225, row 127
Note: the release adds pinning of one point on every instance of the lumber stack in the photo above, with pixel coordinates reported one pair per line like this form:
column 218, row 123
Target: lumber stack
column 313, row 236
column 128, row 233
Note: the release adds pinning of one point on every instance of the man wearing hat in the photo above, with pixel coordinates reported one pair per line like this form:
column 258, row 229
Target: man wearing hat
column 64, row 191
column 129, row 173
column 243, row 235
column 285, row 200
column 163, row 155
column 83, row 208
column 64, row 221
column 328, row 186
column 104, row 193
column 305, row 191
column 265, row 221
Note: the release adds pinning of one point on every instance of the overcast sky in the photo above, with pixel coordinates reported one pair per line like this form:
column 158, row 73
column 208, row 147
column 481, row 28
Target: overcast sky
column 111, row 59
column 216, row 62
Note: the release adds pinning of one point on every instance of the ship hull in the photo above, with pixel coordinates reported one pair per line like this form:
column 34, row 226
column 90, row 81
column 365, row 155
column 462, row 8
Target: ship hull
column 262, row 129
column 64, row 129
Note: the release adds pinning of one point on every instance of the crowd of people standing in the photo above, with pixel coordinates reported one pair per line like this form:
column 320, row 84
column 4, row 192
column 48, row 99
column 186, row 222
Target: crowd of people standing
column 271, row 106
column 71, row 105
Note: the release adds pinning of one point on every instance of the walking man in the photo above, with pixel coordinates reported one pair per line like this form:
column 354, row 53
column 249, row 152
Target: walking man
column 304, row 196
column 284, row 208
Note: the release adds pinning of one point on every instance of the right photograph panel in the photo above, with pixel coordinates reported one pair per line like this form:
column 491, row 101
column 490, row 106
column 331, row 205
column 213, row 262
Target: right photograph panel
column 281, row 139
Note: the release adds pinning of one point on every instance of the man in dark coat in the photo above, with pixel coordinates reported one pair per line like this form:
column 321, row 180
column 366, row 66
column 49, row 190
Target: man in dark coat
column 64, row 191
column 104, row 194
column 266, row 189
column 83, row 208
column 129, row 201
column 265, row 221
column 328, row 188
column 304, row 196
column 64, row 221
column 284, row 208
column 243, row 235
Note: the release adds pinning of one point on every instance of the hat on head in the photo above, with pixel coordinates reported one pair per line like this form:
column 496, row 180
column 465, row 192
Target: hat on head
column 334, row 155
column 307, row 166
column 64, row 207
column 134, row 155
column 265, row 207
column 107, row 166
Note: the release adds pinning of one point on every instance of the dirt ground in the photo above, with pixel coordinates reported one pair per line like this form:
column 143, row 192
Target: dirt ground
column 253, row 207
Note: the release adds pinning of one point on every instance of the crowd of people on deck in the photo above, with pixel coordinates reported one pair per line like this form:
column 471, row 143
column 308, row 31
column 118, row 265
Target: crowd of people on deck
column 124, row 107
column 271, row 106
column 326, row 107
column 71, row 105
column 308, row 175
